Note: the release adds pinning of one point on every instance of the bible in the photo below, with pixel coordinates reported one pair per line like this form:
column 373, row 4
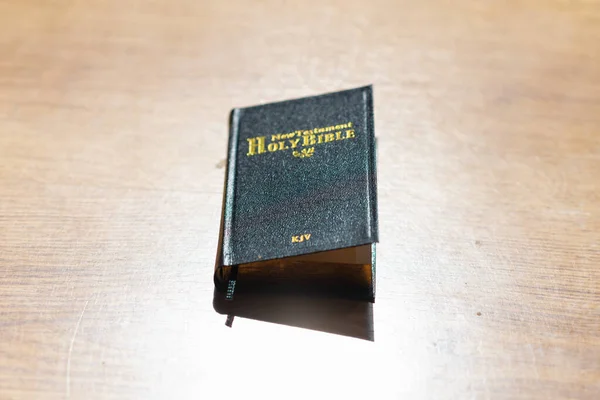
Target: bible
column 300, row 199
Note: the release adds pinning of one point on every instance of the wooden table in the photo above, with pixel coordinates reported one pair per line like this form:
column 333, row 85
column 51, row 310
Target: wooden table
column 113, row 130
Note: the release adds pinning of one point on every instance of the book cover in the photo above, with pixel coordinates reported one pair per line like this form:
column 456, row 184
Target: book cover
column 300, row 203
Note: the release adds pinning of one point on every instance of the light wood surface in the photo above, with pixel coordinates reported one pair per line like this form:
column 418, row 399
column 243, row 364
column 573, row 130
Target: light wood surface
column 113, row 130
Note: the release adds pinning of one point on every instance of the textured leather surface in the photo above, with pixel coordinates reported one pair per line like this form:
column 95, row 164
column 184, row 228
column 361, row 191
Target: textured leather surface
column 273, row 196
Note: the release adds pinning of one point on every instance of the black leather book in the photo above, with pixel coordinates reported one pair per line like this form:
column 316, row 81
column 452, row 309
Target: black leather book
column 300, row 203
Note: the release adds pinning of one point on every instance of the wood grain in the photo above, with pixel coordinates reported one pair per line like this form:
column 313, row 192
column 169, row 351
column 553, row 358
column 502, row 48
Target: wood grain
column 112, row 138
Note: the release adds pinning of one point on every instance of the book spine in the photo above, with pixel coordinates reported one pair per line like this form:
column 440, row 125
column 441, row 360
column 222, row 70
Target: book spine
column 231, row 283
column 228, row 214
